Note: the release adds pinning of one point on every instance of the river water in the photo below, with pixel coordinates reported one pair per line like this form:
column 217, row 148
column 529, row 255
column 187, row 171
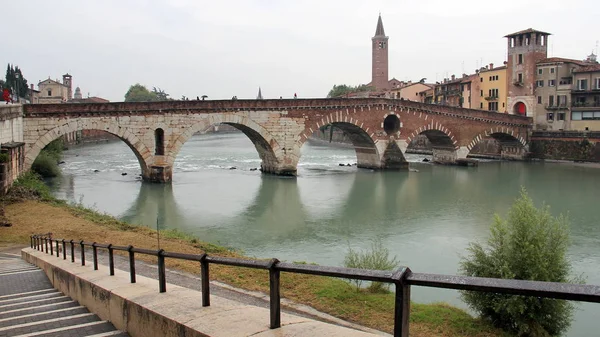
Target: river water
column 425, row 218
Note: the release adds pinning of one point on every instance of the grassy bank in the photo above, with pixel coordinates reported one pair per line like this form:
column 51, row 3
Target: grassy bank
column 30, row 209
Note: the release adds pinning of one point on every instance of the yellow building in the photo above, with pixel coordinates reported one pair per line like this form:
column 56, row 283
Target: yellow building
column 492, row 89
column 51, row 91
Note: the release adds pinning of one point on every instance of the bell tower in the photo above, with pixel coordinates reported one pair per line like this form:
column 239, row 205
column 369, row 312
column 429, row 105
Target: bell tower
column 379, row 73
column 68, row 82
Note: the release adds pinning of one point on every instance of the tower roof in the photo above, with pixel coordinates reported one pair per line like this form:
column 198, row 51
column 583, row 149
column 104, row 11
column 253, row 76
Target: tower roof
column 379, row 31
column 527, row 31
column 259, row 94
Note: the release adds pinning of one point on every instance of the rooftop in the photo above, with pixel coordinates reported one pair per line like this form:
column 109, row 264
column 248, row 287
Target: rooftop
column 588, row 68
column 563, row 60
column 527, row 31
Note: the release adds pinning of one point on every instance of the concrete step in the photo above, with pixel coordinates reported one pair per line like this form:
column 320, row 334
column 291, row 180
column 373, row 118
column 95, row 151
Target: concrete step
column 30, row 306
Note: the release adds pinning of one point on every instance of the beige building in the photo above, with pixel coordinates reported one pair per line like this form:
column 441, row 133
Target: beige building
column 51, row 91
column 492, row 88
column 554, row 81
column 470, row 91
column 448, row 92
column 410, row 91
column 585, row 110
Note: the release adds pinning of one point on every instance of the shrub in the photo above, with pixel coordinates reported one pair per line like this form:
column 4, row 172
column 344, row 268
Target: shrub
column 4, row 158
column 530, row 244
column 377, row 258
column 46, row 165
column 28, row 186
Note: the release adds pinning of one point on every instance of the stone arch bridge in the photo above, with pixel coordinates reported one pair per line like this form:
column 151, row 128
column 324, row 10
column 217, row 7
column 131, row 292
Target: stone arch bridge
column 380, row 129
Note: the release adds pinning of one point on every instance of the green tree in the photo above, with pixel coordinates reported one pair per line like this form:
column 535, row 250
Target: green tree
column 530, row 244
column 343, row 89
column 15, row 81
column 161, row 95
column 139, row 93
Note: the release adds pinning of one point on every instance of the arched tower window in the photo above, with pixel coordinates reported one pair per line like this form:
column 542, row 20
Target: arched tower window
column 159, row 140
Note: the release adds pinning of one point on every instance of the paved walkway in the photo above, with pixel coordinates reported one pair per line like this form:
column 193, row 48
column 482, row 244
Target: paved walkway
column 30, row 306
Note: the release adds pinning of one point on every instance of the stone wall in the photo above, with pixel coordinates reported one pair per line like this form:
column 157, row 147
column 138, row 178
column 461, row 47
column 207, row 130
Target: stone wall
column 10, row 171
column 566, row 145
column 11, row 140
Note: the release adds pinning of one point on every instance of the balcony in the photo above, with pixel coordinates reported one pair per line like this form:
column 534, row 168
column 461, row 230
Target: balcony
column 561, row 106
column 584, row 105
column 518, row 83
column 491, row 98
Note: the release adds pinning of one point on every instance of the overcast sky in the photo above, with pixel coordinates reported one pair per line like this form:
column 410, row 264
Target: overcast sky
column 226, row 48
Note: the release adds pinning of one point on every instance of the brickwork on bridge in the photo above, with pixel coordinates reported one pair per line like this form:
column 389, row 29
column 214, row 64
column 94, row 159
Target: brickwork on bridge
column 278, row 128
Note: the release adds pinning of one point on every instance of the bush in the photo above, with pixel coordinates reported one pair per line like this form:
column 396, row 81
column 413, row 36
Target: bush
column 29, row 186
column 376, row 258
column 4, row 158
column 46, row 165
column 530, row 245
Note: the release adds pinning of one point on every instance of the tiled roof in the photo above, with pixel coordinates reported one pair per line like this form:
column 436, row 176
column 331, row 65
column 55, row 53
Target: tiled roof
column 560, row 59
column 527, row 31
column 589, row 68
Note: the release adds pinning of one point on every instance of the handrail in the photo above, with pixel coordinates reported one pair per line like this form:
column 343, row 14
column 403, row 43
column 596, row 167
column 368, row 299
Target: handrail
column 402, row 278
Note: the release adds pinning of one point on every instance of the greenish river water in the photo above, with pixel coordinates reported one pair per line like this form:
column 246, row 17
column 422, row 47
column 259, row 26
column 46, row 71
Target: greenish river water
column 426, row 218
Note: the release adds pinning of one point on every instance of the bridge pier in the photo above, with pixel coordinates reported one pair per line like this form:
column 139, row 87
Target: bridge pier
column 516, row 152
column 444, row 155
column 158, row 174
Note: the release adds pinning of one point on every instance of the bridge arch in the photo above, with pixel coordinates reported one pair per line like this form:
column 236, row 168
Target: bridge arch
column 368, row 155
column 269, row 150
column 505, row 136
column 140, row 150
column 439, row 136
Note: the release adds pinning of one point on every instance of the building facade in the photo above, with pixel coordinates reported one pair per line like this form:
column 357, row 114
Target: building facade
column 585, row 110
column 53, row 91
column 492, row 89
column 525, row 49
column 449, row 92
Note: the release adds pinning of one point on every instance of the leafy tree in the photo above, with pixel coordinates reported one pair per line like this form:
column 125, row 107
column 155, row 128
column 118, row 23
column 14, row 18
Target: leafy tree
column 139, row 93
column 161, row 94
column 343, row 89
column 530, row 244
column 15, row 81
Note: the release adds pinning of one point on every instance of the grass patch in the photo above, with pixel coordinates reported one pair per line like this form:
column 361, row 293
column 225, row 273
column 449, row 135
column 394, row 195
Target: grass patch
column 331, row 295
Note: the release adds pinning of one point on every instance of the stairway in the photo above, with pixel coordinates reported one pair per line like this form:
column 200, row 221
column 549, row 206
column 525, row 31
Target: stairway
column 30, row 306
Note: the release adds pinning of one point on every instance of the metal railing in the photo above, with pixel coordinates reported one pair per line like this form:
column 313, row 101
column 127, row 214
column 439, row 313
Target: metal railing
column 402, row 278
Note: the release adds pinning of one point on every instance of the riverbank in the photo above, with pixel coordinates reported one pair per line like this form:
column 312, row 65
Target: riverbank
column 330, row 295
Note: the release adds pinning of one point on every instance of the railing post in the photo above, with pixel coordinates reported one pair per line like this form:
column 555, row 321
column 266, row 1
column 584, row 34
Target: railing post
column 72, row 251
column 162, row 277
column 402, row 302
column 36, row 243
column 95, row 255
column 45, row 244
column 31, row 241
column 82, row 253
column 111, row 260
column 274, row 294
column 64, row 249
column 204, row 275
column 57, row 248
column 51, row 249
column 131, row 263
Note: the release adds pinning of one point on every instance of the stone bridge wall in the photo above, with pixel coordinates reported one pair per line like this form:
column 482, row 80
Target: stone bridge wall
column 278, row 128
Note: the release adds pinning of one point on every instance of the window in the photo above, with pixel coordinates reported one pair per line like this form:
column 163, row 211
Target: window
column 493, row 106
column 551, row 83
column 381, row 44
column 551, row 70
column 49, row 92
column 481, row 105
column 566, row 80
column 497, row 77
column 539, row 83
column 481, row 93
column 540, row 71
column 539, row 99
column 520, row 77
column 520, row 59
column 585, row 115
column 597, row 83
column 561, row 100
column 481, row 79
column 560, row 116
column 550, row 116
column 582, row 84
column 551, row 100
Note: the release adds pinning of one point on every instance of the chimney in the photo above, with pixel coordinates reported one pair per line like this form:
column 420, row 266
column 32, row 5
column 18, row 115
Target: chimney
column 453, row 77
column 491, row 66
column 31, row 86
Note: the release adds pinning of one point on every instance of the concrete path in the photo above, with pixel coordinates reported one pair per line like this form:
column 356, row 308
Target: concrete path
column 30, row 306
